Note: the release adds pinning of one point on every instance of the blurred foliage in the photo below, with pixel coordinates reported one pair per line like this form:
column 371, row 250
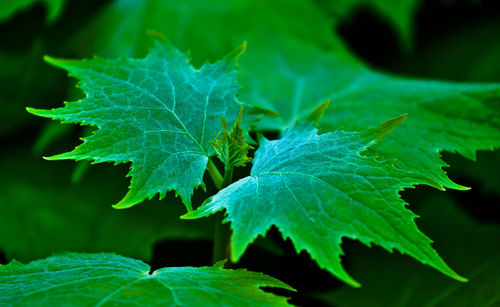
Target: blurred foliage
column 10, row 7
column 24, row 78
column 43, row 212
column 395, row 280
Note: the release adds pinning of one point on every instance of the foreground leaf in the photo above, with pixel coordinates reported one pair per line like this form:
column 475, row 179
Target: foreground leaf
column 43, row 213
column 108, row 280
column 471, row 245
column 158, row 113
column 318, row 189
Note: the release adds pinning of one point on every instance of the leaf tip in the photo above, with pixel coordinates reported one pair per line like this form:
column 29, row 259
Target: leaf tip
column 318, row 112
column 49, row 59
column 190, row 215
column 156, row 35
column 126, row 202
column 385, row 128
column 34, row 111
column 122, row 205
column 233, row 56
column 391, row 124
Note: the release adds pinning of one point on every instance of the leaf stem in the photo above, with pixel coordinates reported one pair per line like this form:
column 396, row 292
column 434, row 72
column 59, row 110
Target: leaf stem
column 214, row 174
column 222, row 233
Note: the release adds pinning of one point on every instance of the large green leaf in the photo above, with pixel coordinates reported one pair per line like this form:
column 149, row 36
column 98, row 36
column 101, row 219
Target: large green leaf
column 43, row 212
column 198, row 26
column 475, row 250
column 158, row 113
column 109, row 280
column 291, row 67
column 441, row 116
column 10, row 7
column 318, row 189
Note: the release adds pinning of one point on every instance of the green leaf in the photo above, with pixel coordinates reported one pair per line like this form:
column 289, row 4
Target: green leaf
column 231, row 147
column 109, row 280
column 10, row 7
column 43, row 212
column 361, row 97
column 291, row 68
column 471, row 245
column 318, row 189
column 435, row 123
column 199, row 26
column 158, row 113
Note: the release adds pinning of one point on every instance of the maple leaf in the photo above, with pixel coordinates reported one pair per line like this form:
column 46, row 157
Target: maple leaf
column 318, row 189
column 158, row 113
column 291, row 68
column 108, row 280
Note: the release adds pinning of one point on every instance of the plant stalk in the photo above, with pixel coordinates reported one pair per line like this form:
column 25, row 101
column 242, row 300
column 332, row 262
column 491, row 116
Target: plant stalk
column 222, row 233
column 214, row 174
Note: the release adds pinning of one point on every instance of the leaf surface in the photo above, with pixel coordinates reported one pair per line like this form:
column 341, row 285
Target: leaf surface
column 291, row 68
column 318, row 189
column 108, row 280
column 158, row 113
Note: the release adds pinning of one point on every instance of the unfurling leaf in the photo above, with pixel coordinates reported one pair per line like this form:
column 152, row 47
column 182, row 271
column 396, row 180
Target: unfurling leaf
column 231, row 147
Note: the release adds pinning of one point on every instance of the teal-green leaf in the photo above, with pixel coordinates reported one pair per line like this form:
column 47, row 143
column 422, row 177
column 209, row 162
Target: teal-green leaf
column 291, row 68
column 159, row 113
column 110, row 280
column 10, row 7
column 441, row 116
column 318, row 189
